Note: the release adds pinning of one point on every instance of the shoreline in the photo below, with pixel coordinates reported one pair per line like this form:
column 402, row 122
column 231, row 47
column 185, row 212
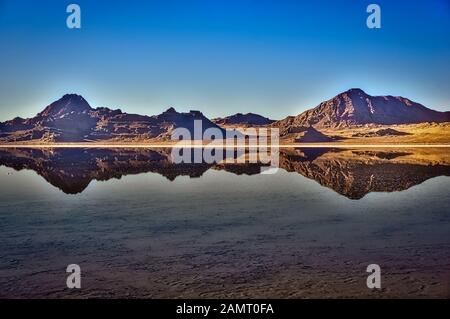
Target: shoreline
column 196, row 145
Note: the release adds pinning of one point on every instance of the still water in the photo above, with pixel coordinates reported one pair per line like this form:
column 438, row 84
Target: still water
column 141, row 226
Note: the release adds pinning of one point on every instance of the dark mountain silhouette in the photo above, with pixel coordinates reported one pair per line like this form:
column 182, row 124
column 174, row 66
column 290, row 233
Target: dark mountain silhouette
column 351, row 173
column 72, row 119
column 355, row 107
column 239, row 119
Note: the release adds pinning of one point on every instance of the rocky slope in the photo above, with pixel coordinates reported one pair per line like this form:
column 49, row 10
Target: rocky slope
column 303, row 134
column 355, row 108
column 72, row 119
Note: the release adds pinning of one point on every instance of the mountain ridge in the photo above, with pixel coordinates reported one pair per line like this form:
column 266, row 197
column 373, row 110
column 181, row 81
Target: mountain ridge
column 355, row 107
column 72, row 119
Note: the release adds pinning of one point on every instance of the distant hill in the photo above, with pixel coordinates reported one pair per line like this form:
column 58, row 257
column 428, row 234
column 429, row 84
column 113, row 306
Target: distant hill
column 239, row 119
column 72, row 119
column 305, row 134
column 354, row 107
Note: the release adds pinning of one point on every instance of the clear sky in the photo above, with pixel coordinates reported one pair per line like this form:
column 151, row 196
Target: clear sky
column 276, row 58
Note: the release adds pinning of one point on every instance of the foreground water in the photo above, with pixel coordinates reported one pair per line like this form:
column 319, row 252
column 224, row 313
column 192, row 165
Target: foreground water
column 141, row 226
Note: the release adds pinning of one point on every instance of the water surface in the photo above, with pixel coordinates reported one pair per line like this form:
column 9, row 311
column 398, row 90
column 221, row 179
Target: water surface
column 142, row 226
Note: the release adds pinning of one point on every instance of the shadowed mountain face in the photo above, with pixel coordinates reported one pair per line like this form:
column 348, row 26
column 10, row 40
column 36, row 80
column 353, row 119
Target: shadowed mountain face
column 352, row 173
column 303, row 134
column 355, row 107
column 71, row 119
column 239, row 119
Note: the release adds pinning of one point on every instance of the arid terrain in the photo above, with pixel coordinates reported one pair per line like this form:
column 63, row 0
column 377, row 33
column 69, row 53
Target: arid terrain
column 351, row 117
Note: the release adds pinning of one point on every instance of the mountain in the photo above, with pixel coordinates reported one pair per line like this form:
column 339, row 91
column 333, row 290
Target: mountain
column 244, row 120
column 72, row 119
column 355, row 107
column 306, row 134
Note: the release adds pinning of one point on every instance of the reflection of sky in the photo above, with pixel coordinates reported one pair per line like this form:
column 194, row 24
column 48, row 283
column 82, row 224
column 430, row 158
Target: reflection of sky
column 271, row 57
column 143, row 233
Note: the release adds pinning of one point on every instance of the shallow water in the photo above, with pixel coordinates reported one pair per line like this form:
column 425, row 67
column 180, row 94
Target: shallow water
column 141, row 226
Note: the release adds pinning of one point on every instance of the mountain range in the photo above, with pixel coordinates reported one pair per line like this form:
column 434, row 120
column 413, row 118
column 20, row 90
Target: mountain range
column 72, row 119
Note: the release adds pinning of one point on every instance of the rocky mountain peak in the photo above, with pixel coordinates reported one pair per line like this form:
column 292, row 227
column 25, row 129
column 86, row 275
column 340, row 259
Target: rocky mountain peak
column 69, row 103
column 355, row 107
column 355, row 92
column 170, row 110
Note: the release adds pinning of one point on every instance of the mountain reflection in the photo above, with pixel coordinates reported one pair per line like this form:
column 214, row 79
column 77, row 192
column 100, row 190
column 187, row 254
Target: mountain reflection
column 350, row 172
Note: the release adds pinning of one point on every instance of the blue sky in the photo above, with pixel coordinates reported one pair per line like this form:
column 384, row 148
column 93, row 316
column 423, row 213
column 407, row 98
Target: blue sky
column 276, row 58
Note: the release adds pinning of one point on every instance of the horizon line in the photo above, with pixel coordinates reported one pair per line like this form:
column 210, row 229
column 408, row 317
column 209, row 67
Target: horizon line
column 219, row 117
column 161, row 145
